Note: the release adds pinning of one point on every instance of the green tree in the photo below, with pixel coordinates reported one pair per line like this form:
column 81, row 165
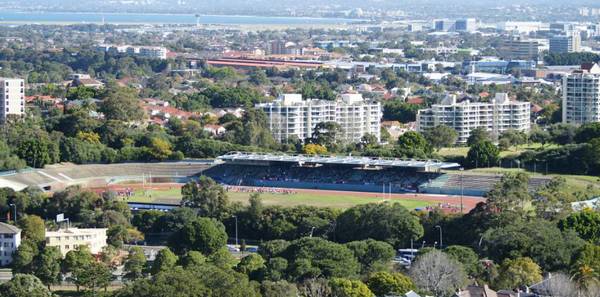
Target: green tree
column 33, row 228
column 94, row 276
column 483, row 154
column 412, row 145
column 477, row 135
column 586, row 267
column 349, row 288
column 47, row 267
column 202, row 234
column 225, row 282
column 562, row 133
column 328, row 134
column 193, row 259
column 121, row 104
column 37, row 152
column 312, row 257
column 24, row 285
column 441, row 136
column 586, row 223
column 135, row 263
column 466, row 256
column 518, row 272
column 384, row 283
column 165, row 260
column 23, row 258
column 587, row 132
column 278, row 289
column 389, row 222
column 160, row 149
column 76, row 261
column 513, row 137
column 536, row 238
column 205, row 195
column 250, row 265
column 553, row 200
column 511, row 193
column 372, row 255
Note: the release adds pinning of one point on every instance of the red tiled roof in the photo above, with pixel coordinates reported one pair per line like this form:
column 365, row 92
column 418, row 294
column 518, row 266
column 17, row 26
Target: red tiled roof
column 415, row 100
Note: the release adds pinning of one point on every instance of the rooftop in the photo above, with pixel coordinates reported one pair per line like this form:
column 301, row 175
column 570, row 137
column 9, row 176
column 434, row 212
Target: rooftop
column 8, row 229
column 337, row 160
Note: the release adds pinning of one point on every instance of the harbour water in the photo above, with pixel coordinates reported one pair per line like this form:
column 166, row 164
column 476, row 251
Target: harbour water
column 35, row 17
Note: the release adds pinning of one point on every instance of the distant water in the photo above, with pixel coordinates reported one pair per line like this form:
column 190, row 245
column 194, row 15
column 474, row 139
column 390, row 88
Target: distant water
column 143, row 18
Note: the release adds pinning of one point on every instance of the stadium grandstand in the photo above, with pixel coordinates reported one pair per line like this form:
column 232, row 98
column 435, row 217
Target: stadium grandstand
column 349, row 173
column 352, row 173
column 58, row 176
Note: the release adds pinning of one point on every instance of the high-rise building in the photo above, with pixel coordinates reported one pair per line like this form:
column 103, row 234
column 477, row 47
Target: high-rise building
column 581, row 96
column 569, row 43
column 517, row 48
column 10, row 239
column 292, row 117
column 443, row 25
column 497, row 116
column 465, row 25
column 12, row 91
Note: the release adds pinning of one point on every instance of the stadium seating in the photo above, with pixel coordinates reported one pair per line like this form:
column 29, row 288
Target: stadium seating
column 401, row 180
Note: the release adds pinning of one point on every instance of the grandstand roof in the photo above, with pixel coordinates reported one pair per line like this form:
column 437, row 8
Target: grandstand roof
column 337, row 160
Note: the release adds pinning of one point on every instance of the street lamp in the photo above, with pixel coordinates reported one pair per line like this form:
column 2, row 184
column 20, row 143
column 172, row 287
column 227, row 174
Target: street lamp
column 14, row 212
column 461, row 189
column 311, row 231
column 441, row 242
column 236, row 230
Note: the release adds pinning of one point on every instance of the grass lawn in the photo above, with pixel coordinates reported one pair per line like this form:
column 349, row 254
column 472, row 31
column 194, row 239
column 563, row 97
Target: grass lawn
column 463, row 150
column 333, row 200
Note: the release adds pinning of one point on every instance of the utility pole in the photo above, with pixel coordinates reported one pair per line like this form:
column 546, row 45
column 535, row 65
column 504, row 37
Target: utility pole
column 461, row 190
column 14, row 211
column 236, row 231
column 441, row 242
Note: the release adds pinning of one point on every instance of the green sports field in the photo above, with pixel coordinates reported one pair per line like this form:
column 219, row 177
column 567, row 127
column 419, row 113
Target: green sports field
column 324, row 199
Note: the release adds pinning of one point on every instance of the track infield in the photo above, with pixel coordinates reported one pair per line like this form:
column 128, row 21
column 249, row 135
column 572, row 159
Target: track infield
column 171, row 194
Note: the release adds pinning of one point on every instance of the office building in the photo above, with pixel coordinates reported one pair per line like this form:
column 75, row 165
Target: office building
column 12, row 91
column 443, row 25
column 291, row 117
column 581, row 96
column 569, row 43
column 497, row 116
column 69, row 239
column 519, row 49
column 10, row 239
column 465, row 25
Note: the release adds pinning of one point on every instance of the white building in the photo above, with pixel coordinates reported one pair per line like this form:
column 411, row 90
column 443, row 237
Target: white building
column 497, row 116
column 581, row 96
column 12, row 91
column 290, row 116
column 69, row 239
column 10, row 239
column 157, row 52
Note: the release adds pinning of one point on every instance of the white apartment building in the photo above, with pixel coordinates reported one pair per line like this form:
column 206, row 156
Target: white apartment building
column 581, row 96
column 10, row 239
column 290, row 116
column 157, row 52
column 497, row 116
column 12, row 91
column 69, row 239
